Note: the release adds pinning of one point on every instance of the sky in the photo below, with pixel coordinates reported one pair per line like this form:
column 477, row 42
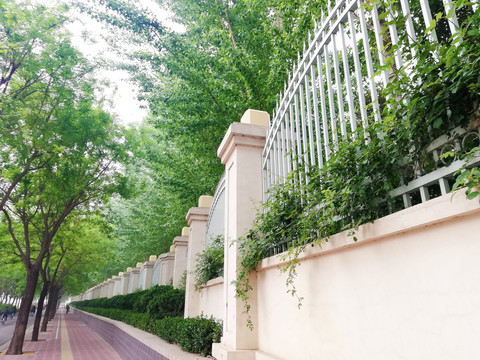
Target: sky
column 122, row 94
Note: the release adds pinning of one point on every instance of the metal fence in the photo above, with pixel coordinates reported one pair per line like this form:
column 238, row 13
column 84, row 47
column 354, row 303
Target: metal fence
column 335, row 87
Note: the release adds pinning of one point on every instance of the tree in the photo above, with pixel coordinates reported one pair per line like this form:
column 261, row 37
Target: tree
column 231, row 56
column 58, row 149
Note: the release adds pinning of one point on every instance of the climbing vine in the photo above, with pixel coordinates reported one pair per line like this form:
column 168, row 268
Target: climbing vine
column 435, row 91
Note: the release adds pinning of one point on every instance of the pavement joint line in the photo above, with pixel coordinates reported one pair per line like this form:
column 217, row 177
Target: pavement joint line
column 58, row 328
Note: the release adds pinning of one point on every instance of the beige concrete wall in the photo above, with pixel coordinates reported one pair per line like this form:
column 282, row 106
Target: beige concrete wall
column 408, row 289
column 211, row 299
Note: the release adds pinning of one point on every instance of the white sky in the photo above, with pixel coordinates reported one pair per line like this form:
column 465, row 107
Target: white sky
column 122, row 95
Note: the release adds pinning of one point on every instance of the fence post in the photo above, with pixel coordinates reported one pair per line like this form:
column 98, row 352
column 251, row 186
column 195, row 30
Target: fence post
column 197, row 220
column 180, row 244
column 124, row 281
column 146, row 272
column 241, row 153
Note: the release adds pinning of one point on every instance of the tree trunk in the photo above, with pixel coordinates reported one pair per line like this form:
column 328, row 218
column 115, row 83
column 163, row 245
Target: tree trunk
column 53, row 310
column 16, row 345
column 45, row 316
column 38, row 315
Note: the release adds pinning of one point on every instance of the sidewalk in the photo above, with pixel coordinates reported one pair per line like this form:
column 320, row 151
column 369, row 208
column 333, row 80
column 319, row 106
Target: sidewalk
column 66, row 338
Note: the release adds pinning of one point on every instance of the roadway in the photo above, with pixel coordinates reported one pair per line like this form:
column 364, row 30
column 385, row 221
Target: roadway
column 6, row 330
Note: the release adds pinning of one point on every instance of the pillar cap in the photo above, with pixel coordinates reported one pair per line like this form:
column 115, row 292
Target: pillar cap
column 185, row 231
column 255, row 117
column 241, row 134
column 129, row 269
column 205, row 201
column 120, row 273
column 152, row 258
column 139, row 265
column 172, row 248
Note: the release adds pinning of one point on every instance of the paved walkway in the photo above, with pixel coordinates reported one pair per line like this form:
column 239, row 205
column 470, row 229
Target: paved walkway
column 66, row 338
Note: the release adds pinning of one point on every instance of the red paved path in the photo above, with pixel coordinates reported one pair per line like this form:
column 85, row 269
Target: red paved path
column 84, row 344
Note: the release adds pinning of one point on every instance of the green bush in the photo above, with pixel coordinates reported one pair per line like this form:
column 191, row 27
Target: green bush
column 125, row 302
column 141, row 304
column 210, row 262
column 196, row 335
column 170, row 303
column 168, row 328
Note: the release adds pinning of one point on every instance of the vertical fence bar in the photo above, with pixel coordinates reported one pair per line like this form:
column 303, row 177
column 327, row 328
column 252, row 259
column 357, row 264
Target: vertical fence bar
column 304, row 137
column 341, row 108
column 379, row 40
column 316, row 117
column 451, row 16
column 293, row 137
column 331, row 104
column 311, row 140
column 412, row 37
column 394, row 37
column 283, row 152
column 427, row 18
column 369, row 64
column 358, row 71
column 348, row 83
column 326, row 138
column 297, row 130
column 288, row 143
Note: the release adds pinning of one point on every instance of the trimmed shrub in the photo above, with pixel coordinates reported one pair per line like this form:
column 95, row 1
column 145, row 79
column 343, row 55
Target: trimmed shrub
column 168, row 328
column 197, row 334
column 141, row 304
column 170, row 303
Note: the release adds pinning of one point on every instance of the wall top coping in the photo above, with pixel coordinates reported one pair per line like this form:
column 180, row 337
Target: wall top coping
column 180, row 241
column 435, row 211
column 148, row 265
column 197, row 214
column 239, row 134
column 136, row 271
column 126, row 274
column 213, row 282
column 167, row 256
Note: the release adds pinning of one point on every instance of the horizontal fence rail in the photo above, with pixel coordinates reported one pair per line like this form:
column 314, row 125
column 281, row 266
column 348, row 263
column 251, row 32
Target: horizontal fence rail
column 336, row 85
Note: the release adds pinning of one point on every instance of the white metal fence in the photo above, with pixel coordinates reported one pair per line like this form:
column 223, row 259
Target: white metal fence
column 335, row 86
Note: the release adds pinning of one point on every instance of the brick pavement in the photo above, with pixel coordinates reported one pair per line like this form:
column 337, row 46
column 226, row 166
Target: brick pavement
column 66, row 338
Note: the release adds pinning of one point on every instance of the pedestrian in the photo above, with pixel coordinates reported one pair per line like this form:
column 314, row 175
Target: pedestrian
column 5, row 313
column 32, row 310
column 67, row 308
column 14, row 310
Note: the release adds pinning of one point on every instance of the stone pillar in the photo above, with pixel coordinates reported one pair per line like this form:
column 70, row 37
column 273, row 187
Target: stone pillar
column 133, row 281
column 104, row 289
column 96, row 292
column 166, row 268
column 241, row 152
column 117, row 283
column 146, row 272
column 180, row 244
column 124, row 281
column 111, row 286
column 197, row 220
